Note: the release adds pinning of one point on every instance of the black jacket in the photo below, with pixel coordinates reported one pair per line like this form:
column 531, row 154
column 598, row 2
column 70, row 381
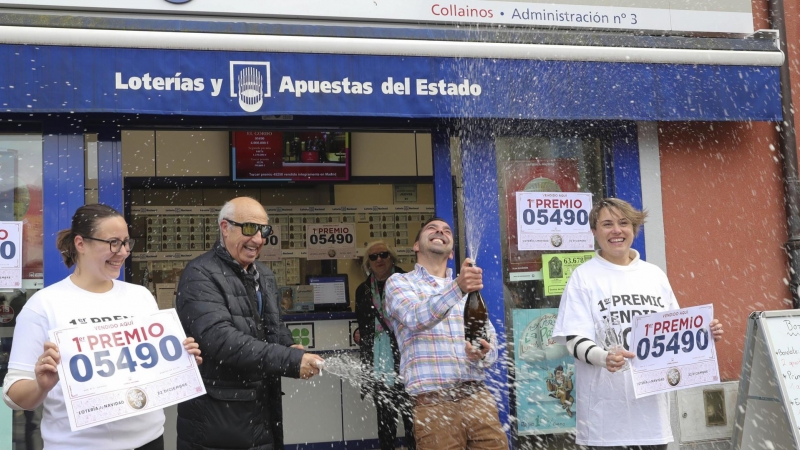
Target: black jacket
column 366, row 315
column 244, row 355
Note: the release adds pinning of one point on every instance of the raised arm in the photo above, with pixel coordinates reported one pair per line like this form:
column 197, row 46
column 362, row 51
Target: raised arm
column 415, row 309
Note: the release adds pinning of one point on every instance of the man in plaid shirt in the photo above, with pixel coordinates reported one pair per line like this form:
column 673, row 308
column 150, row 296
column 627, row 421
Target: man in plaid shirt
column 442, row 371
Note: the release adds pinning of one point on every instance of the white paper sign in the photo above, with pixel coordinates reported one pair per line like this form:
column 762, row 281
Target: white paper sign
column 10, row 255
column 674, row 350
column 114, row 370
column 554, row 221
column 331, row 241
column 271, row 251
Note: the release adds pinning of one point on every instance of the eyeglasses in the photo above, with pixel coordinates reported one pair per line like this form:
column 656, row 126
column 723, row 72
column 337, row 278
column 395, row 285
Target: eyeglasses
column 381, row 255
column 115, row 245
column 250, row 228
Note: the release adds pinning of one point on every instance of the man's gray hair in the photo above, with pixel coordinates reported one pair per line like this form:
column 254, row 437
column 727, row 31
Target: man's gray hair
column 227, row 211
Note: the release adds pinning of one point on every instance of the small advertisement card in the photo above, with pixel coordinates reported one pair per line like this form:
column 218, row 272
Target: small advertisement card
column 331, row 241
column 554, row 221
column 271, row 251
column 558, row 267
column 10, row 255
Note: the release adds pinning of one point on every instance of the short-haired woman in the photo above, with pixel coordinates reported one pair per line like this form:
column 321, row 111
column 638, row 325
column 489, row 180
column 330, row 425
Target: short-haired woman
column 608, row 414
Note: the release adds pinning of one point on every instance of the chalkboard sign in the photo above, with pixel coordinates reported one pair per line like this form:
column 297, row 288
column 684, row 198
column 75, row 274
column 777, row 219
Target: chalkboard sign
column 768, row 411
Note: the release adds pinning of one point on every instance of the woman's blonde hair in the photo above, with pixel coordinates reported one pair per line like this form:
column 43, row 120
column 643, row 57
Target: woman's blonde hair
column 365, row 256
column 627, row 210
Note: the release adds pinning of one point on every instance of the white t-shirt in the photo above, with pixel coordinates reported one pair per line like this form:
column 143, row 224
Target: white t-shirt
column 608, row 413
column 63, row 304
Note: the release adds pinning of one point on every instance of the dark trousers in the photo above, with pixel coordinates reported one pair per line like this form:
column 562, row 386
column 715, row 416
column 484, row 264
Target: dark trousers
column 155, row 444
column 391, row 401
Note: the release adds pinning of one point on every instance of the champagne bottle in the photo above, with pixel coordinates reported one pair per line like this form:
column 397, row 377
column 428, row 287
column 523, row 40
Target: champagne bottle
column 476, row 316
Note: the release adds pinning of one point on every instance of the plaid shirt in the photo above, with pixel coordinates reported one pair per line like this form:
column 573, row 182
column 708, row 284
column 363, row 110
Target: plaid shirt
column 428, row 321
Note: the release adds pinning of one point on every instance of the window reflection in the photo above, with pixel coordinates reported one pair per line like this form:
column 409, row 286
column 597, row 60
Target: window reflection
column 21, row 200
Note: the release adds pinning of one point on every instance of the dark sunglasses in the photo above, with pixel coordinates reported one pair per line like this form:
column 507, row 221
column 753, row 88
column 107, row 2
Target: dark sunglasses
column 381, row 255
column 250, row 228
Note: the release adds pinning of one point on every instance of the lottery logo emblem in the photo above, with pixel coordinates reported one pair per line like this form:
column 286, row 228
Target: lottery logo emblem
column 673, row 376
column 137, row 398
column 556, row 240
column 250, row 83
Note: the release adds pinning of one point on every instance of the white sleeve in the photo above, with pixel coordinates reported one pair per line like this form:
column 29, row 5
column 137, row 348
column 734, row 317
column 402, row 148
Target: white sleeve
column 12, row 377
column 586, row 350
column 30, row 334
column 574, row 312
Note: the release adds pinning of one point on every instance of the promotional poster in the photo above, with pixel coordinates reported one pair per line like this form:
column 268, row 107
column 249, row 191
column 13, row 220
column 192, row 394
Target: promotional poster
column 534, row 175
column 545, row 375
column 554, row 221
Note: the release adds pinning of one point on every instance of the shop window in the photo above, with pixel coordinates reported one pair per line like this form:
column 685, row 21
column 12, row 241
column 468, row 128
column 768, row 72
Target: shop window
column 175, row 187
column 21, row 201
column 555, row 160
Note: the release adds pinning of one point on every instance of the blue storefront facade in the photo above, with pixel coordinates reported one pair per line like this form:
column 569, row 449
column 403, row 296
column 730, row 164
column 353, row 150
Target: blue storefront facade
column 108, row 81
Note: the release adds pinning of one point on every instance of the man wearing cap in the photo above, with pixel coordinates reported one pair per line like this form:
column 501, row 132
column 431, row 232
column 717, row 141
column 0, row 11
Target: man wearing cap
column 443, row 372
column 228, row 301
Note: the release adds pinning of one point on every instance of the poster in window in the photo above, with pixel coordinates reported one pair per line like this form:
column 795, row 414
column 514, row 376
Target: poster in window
column 533, row 175
column 545, row 375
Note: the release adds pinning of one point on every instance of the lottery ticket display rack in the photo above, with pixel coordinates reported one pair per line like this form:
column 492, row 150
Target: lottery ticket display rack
column 768, row 406
column 171, row 236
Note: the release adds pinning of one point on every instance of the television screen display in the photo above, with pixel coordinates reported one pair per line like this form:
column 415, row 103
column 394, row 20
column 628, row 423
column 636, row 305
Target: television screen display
column 331, row 293
column 290, row 156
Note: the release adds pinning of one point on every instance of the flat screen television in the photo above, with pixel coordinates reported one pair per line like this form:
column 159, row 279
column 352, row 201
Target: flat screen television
column 290, row 156
column 331, row 292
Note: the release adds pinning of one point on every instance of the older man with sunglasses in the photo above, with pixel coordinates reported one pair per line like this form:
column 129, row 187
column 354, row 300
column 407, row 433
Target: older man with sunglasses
column 228, row 301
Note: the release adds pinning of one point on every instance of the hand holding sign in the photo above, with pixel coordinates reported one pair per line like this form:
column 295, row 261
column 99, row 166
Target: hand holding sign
column 114, row 370
column 675, row 350
column 46, row 368
column 716, row 330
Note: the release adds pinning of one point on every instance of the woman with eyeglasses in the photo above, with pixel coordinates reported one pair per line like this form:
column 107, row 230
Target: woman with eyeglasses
column 97, row 245
column 380, row 356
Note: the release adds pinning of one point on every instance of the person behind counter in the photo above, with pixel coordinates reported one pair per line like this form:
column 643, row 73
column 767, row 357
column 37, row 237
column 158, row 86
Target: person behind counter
column 444, row 374
column 379, row 353
column 608, row 414
column 229, row 302
column 97, row 245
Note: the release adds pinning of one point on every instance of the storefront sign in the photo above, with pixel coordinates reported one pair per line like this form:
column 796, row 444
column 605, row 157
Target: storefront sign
column 115, row 370
column 331, row 241
column 271, row 251
column 674, row 350
column 558, row 267
column 212, row 83
column 545, row 375
column 727, row 16
column 10, row 255
column 554, row 221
